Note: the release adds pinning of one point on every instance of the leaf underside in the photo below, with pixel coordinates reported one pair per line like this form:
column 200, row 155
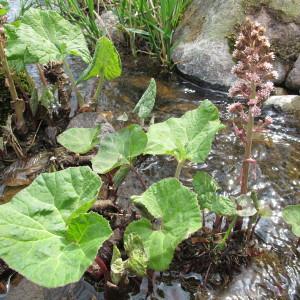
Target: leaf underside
column 106, row 62
column 145, row 105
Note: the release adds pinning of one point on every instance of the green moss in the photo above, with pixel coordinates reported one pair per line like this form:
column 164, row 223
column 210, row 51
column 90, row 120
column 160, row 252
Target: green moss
column 231, row 37
column 288, row 52
column 285, row 10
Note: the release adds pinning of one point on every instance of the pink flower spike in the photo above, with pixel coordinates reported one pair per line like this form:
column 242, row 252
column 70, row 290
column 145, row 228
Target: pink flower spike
column 256, row 111
column 235, row 107
column 252, row 102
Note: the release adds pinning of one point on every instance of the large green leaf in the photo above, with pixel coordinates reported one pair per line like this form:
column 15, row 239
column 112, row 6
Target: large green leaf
column 119, row 148
column 17, row 54
column 106, row 62
column 46, row 36
column 4, row 7
column 45, row 232
column 291, row 215
column 187, row 138
column 206, row 189
column 80, row 140
column 145, row 105
column 173, row 213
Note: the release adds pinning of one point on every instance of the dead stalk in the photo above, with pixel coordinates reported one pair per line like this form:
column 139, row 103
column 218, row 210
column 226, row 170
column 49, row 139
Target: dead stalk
column 17, row 103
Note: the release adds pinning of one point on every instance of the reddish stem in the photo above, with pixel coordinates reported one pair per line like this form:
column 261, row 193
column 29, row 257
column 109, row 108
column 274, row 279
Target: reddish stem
column 101, row 264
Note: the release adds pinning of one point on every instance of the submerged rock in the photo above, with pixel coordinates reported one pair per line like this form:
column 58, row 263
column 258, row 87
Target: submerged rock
column 282, row 71
column 204, row 40
column 288, row 103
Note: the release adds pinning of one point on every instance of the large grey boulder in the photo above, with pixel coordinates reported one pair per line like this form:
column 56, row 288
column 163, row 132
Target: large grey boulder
column 202, row 50
column 293, row 79
column 204, row 40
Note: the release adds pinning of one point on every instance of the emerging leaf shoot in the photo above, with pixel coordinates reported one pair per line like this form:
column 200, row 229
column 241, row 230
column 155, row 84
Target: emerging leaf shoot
column 145, row 105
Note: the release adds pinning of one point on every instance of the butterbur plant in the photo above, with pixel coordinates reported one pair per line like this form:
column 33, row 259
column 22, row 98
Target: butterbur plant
column 47, row 234
column 255, row 72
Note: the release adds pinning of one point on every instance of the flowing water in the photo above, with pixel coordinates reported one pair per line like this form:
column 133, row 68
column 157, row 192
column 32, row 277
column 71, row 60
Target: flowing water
column 275, row 273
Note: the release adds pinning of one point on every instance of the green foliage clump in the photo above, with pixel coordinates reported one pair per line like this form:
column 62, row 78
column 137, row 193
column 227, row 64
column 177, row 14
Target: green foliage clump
column 43, row 36
column 171, row 215
column 154, row 21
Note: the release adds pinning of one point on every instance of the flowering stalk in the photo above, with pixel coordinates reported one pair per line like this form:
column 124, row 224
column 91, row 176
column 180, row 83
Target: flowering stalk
column 254, row 71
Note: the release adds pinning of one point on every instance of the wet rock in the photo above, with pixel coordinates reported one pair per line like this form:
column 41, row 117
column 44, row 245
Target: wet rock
column 293, row 79
column 280, row 91
column 90, row 120
column 202, row 50
column 76, row 291
column 204, row 40
column 25, row 290
column 282, row 71
column 288, row 103
column 108, row 22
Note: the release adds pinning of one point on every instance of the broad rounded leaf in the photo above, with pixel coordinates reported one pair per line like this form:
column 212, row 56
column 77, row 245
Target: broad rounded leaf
column 187, row 138
column 206, row 189
column 119, row 148
column 80, row 140
column 106, row 62
column 145, row 105
column 17, row 54
column 45, row 232
column 47, row 36
column 175, row 215
column 291, row 215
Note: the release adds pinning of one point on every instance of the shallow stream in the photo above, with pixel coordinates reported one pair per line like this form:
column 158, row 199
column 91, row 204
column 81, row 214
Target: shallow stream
column 276, row 273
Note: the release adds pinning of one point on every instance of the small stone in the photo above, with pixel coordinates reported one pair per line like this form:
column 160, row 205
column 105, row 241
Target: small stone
column 287, row 103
